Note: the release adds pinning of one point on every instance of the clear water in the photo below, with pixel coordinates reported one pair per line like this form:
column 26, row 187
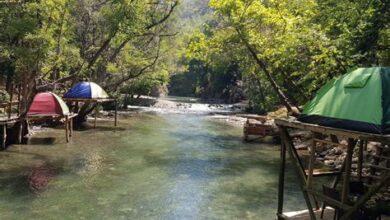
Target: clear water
column 153, row 166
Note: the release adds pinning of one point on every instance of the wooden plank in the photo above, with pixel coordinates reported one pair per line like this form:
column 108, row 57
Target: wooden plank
column 321, row 172
column 89, row 100
column 298, row 167
column 333, row 131
column 379, row 167
column 381, row 157
column 330, row 143
column 329, row 200
column 281, row 178
column 385, row 181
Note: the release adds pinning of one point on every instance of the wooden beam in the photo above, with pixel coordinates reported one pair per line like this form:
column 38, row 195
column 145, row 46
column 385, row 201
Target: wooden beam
column 360, row 160
column 116, row 113
column 281, row 178
column 333, row 131
column 67, row 128
column 385, row 181
column 298, row 167
column 20, row 132
column 330, row 143
column 311, row 163
column 347, row 172
column 4, row 136
column 71, row 127
column 96, row 112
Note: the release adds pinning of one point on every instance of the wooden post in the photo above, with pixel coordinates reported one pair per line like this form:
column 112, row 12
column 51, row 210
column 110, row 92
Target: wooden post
column 311, row 164
column 96, row 112
column 70, row 126
column 116, row 113
column 360, row 160
column 281, row 178
column 4, row 134
column 67, row 128
column 298, row 168
column 347, row 172
column 385, row 181
column 20, row 131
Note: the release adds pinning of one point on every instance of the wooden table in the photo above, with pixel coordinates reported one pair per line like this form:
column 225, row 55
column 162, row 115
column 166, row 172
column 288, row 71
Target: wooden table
column 4, row 122
column 66, row 119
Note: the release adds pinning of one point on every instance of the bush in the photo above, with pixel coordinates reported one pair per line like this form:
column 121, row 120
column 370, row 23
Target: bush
column 4, row 96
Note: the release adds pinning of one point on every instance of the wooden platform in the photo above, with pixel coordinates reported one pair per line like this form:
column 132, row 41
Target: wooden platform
column 255, row 125
column 67, row 120
column 304, row 215
column 5, row 122
column 307, row 173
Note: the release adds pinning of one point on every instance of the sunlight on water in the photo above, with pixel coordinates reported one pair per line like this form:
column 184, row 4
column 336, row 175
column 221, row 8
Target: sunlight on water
column 151, row 167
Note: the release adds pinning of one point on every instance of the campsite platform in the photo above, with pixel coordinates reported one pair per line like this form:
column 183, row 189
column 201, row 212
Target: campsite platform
column 5, row 122
column 304, row 215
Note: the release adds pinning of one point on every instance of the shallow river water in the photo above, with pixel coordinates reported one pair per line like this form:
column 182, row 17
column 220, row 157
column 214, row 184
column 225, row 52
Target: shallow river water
column 152, row 166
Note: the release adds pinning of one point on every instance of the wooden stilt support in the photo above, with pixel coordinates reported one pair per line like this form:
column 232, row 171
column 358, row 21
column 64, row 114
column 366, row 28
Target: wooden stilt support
column 311, row 164
column 385, row 181
column 116, row 113
column 71, row 127
column 67, row 128
column 347, row 172
column 20, row 131
column 281, row 178
column 4, row 136
column 96, row 112
column 360, row 160
column 298, row 168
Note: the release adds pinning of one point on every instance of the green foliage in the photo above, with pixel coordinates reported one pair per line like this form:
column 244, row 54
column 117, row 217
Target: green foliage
column 4, row 96
column 148, row 84
column 302, row 44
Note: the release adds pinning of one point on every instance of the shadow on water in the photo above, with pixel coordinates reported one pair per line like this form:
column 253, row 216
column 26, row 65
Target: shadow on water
column 100, row 128
column 41, row 141
column 28, row 181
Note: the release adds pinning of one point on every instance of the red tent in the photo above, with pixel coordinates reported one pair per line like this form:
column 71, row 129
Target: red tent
column 48, row 104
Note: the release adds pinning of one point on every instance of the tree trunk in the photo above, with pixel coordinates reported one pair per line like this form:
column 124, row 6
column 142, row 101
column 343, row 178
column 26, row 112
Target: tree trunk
column 283, row 98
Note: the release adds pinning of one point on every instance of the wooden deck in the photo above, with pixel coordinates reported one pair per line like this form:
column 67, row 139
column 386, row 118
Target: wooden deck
column 304, row 215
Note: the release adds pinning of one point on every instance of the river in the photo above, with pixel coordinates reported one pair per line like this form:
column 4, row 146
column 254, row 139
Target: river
column 152, row 166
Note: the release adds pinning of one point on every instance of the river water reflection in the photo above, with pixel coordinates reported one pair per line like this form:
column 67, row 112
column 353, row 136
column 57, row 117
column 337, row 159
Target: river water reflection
column 153, row 166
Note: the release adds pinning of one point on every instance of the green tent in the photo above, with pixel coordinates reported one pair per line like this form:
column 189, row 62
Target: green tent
column 358, row 100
